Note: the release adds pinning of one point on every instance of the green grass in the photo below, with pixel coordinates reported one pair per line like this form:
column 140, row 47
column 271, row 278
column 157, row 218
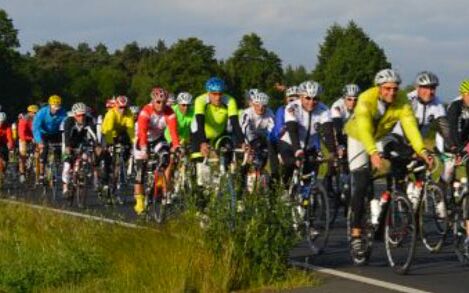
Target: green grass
column 45, row 252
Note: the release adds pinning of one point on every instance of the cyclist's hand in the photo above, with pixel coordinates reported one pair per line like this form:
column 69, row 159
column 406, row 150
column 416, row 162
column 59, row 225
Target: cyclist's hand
column 205, row 149
column 41, row 147
column 376, row 160
column 341, row 151
column 428, row 158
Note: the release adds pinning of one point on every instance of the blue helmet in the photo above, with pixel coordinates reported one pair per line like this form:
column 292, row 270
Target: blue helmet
column 215, row 84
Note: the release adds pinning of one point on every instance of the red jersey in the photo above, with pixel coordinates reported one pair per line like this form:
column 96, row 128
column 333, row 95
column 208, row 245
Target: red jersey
column 6, row 138
column 25, row 128
column 151, row 125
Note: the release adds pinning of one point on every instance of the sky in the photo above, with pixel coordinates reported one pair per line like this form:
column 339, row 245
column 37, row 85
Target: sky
column 416, row 35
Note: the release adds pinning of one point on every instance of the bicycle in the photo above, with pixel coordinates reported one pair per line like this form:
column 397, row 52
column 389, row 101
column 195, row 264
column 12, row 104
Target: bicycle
column 52, row 172
column 257, row 179
column 82, row 173
column 182, row 177
column 119, row 171
column 338, row 188
column 311, row 214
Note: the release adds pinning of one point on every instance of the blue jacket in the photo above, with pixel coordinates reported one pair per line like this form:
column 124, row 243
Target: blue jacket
column 279, row 128
column 45, row 123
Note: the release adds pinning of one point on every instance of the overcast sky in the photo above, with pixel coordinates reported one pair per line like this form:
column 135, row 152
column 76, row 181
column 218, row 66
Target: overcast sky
column 415, row 35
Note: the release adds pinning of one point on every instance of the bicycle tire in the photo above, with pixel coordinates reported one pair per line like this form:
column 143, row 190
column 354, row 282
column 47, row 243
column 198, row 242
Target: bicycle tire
column 317, row 219
column 459, row 231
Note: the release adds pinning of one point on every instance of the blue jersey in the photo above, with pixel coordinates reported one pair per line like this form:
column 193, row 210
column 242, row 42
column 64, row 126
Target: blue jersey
column 279, row 127
column 45, row 123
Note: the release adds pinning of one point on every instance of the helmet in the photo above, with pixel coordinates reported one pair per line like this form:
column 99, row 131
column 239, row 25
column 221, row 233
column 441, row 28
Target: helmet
column 134, row 109
column 184, row 98
column 33, row 108
column 426, row 78
column 122, row 101
column 159, row 93
column 55, row 100
column 215, row 84
column 351, row 90
column 387, row 75
column 79, row 108
column 464, row 87
column 110, row 103
column 251, row 93
column 260, row 98
column 310, row 88
column 3, row 117
column 171, row 98
column 292, row 91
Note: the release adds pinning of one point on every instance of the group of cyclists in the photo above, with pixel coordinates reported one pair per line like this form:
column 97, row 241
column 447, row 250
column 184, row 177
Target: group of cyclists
column 360, row 126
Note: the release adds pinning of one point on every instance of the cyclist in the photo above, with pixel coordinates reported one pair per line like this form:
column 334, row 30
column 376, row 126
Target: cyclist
column 117, row 128
column 429, row 110
column 214, row 110
column 291, row 95
column 6, row 142
column 306, row 120
column 377, row 111
column 78, row 132
column 184, row 115
column 154, row 118
column 135, row 110
column 25, row 136
column 342, row 109
column 458, row 117
column 46, row 129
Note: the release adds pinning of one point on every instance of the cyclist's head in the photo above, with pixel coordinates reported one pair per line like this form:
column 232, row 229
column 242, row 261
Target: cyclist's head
column 159, row 97
column 79, row 111
column 32, row 109
column 110, row 103
column 464, row 91
column 425, row 84
column 184, row 101
column 121, row 103
column 215, row 87
column 249, row 95
column 134, row 110
column 350, row 93
column 259, row 102
column 3, row 118
column 309, row 94
column 55, row 103
column 292, row 94
column 388, row 81
column 171, row 99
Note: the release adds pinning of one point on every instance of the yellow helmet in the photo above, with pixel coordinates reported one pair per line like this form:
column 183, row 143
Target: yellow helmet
column 55, row 100
column 33, row 108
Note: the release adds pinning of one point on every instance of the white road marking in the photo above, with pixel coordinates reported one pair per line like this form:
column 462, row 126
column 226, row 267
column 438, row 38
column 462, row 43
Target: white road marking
column 358, row 278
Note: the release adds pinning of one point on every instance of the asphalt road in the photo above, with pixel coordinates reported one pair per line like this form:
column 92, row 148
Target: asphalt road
column 440, row 272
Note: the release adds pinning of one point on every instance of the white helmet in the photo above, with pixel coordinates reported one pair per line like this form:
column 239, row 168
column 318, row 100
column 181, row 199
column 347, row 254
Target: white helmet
column 426, row 78
column 3, row 117
column 351, row 90
column 387, row 75
column 134, row 109
column 292, row 91
column 310, row 88
column 251, row 93
column 184, row 98
column 78, row 108
column 260, row 98
column 171, row 98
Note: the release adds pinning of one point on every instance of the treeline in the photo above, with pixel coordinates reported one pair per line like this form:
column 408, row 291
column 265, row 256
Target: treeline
column 92, row 74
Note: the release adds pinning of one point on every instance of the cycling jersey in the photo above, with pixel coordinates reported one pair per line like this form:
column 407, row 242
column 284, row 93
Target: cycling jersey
column 254, row 126
column 216, row 117
column 308, row 124
column 340, row 110
column 183, row 122
column 25, row 128
column 6, row 137
column 373, row 119
column 75, row 134
column 116, row 124
column 45, row 123
column 151, row 125
column 279, row 128
column 458, row 119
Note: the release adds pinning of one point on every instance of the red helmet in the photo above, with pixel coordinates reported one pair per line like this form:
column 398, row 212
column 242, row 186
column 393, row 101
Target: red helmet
column 122, row 101
column 159, row 93
column 110, row 103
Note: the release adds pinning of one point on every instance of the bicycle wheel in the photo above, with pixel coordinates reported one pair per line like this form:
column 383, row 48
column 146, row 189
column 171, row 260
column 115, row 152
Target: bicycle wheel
column 433, row 218
column 400, row 233
column 317, row 220
column 55, row 182
column 157, row 205
column 459, row 231
column 333, row 195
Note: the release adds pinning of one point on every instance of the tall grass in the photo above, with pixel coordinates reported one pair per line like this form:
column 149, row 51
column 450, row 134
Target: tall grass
column 42, row 251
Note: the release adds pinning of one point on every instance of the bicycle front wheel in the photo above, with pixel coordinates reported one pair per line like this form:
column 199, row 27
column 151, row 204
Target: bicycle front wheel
column 317, row 220
column 459, row 231
column 400, row 233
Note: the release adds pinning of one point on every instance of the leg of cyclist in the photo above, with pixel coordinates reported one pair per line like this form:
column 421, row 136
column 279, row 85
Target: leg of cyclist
column 43, row 154
column 66, row 173
column 139, row 190
column 287, row 154
column 23, row 152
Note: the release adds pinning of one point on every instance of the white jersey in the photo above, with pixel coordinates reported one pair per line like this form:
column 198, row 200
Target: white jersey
column 254, row 125
column 339, row 110
column 424, row 113
column 308, row 123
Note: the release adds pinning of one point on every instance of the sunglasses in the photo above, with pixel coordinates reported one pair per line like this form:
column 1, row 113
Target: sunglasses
column 122, row 107
column 158, row 102
column 351, row 99
column 314, row 99
column 390, row 88
column 80, row 115
column 184, row 105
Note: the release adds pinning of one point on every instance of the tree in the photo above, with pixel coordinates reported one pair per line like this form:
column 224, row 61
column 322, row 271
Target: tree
column 252, row 66
column 347, row 55
column 295, row 76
